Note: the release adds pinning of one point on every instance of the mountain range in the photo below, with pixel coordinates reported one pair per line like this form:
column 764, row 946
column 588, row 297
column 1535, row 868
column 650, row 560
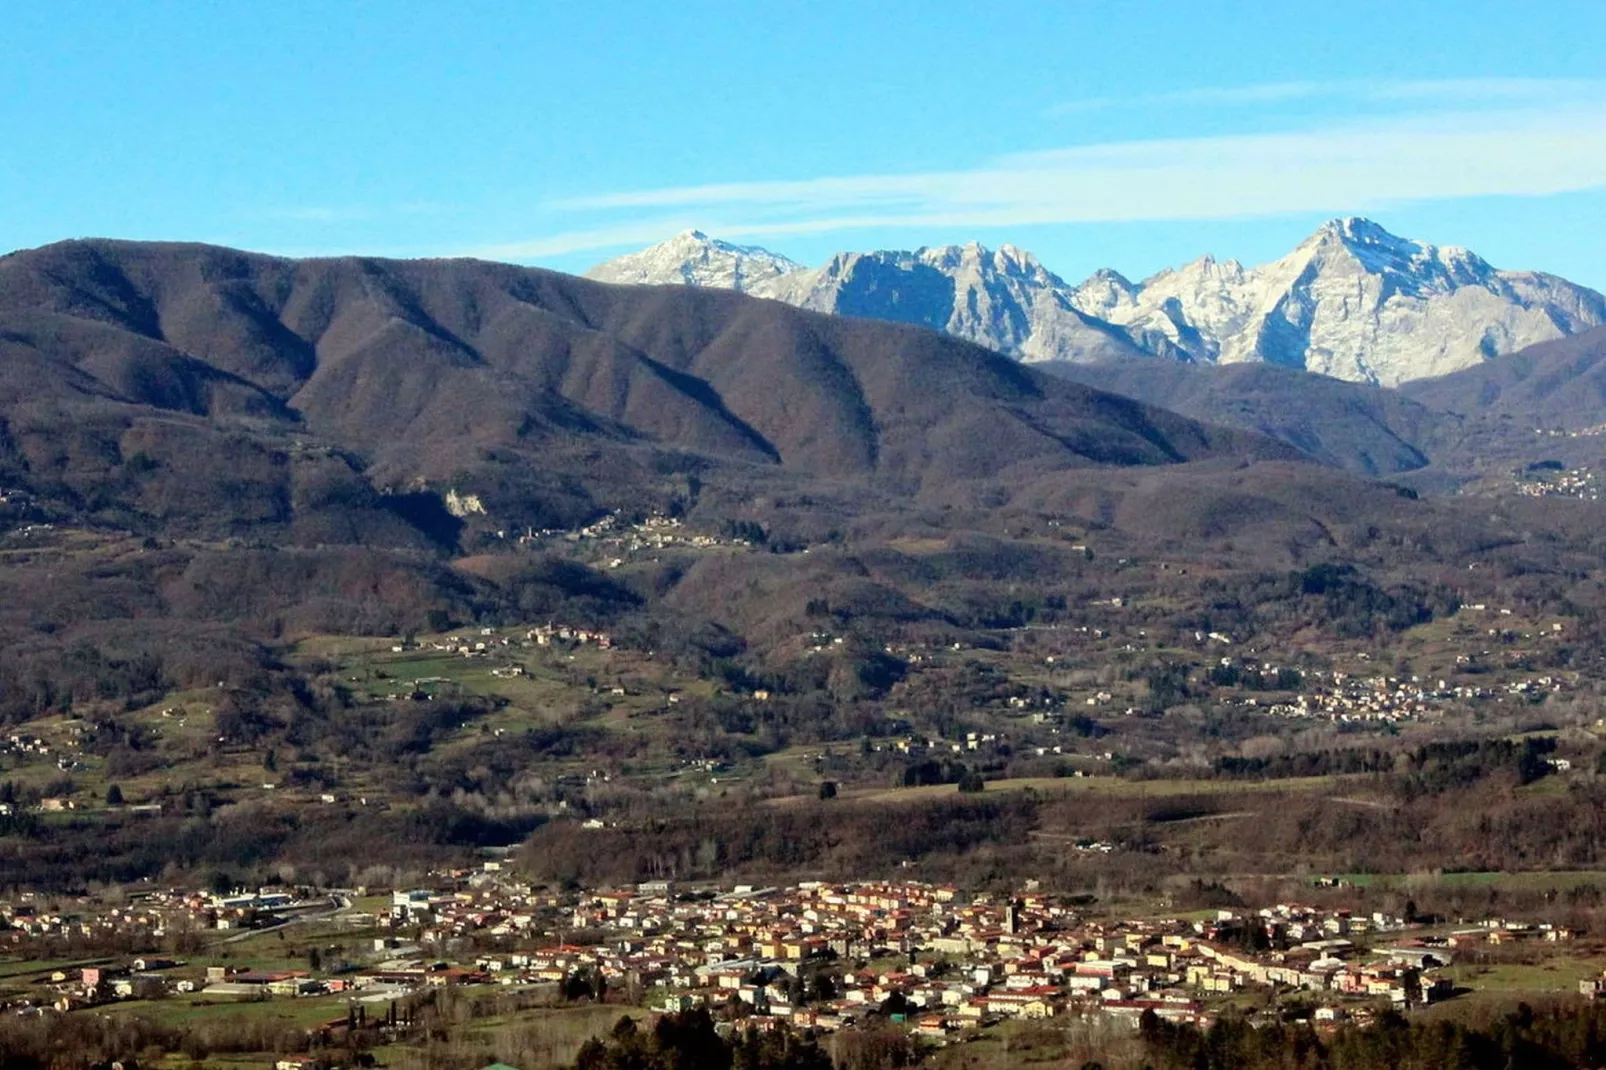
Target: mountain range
column 214, row 462
column 194, row 388
column 229, row 440
column 1352, row 301
column 201, row 390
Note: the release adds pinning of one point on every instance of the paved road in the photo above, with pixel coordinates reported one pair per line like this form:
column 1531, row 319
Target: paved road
column 337, row 903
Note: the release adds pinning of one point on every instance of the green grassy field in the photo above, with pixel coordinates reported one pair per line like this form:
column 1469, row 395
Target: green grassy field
column 1556, row 974
column 24, row 969
column 195, row 1008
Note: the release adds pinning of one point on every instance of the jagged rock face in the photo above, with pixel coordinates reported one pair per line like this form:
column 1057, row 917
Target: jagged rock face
column 1003, row 299
column 1352, row 301
column 692, row 258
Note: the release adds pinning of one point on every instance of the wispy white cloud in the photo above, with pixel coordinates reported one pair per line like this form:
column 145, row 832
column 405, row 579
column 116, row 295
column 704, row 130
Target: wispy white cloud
column 1268, row 93
column 1551, row 141
column 1511, row 91
column 1420, row 92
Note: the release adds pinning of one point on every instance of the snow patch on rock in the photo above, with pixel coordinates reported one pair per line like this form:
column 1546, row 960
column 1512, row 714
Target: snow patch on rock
column 1352, row 301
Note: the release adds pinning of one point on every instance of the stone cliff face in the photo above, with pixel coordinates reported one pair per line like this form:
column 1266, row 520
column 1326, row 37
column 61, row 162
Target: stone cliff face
column 692, row 258
column 1352, row 301
column 1003, row 299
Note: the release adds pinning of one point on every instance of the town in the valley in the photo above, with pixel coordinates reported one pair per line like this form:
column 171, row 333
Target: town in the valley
column 815, row 955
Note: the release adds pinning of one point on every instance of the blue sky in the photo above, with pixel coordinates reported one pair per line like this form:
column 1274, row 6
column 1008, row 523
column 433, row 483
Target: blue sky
column 1125, row 134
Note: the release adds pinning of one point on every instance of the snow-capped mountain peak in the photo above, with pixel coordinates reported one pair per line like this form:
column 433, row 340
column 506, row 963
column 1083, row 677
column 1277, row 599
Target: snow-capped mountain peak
column 1001, row 298
column 1006, row 260
column 1356, row 230
column 1352, row 301
column 692, row 258
column 1108, row 277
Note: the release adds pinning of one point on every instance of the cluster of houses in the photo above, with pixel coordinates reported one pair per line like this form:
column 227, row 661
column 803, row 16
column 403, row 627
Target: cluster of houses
column 613, row 535
column 915, row 745
column 546, row 634
column 143, row 916
column 818, row 641
column 18, row 743
column 827, row 955
column 817, row 955
column 952, row 964
column 66, row 753
column 1348, row 698
column 489, row 642
column 1571, row 483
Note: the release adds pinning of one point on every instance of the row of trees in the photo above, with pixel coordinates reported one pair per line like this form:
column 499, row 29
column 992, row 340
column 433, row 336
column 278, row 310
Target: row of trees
column 1558, row 1038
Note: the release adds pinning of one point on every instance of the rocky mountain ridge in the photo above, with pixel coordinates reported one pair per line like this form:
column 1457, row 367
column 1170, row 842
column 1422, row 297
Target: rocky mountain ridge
column 1353, row 301
column 694, row 259
column 1001, row 298
column 170, row 387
